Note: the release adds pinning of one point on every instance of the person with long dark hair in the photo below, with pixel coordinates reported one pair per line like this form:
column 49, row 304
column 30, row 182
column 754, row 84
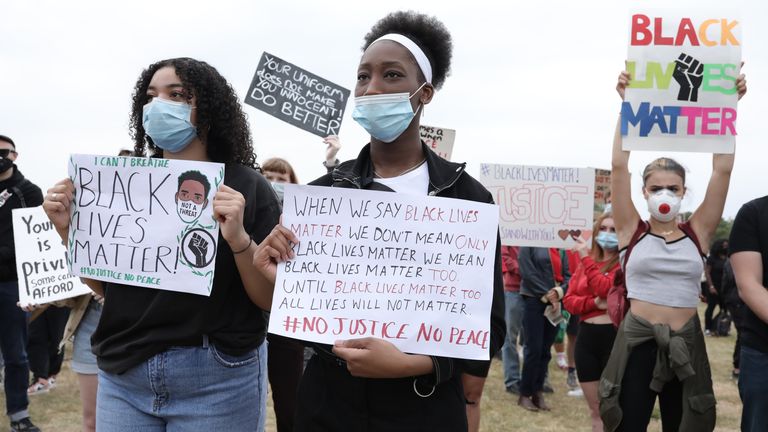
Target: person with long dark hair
column 713, row 272
column 176, row 361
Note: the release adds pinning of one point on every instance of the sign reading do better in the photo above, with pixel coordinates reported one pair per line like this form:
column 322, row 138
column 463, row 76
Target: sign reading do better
column 144, row 222
column 296, row 96
column 415, row 271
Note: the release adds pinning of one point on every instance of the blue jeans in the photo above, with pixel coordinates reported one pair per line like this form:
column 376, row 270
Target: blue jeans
column 186, row 389
column 13, row 342
column 513, row 314
column 539, row 334
column 753, row 380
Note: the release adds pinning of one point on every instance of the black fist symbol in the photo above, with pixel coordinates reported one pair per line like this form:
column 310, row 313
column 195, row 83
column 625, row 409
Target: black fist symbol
column 689, row 73
column 199, row 247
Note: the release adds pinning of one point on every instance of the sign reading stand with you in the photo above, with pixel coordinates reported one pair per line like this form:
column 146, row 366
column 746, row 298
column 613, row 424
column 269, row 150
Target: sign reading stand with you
column 541, row 206
column 415, row 271
column 682, row 95
column 144, row 222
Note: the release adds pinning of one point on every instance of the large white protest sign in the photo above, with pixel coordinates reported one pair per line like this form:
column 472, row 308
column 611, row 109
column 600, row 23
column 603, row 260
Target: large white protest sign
column 541, row 206
column 415, row 271
column 41, row 262
column 683, row 94
column 144, row 222
column 440, row 140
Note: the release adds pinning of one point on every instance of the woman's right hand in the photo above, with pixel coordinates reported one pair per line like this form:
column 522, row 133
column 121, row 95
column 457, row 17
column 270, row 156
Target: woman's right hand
column 601, row 303
column 275, row 248
column 56, row 205
column 623, row 83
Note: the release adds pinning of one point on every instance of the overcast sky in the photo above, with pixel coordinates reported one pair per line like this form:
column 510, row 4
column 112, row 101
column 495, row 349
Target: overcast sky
column 531, row 83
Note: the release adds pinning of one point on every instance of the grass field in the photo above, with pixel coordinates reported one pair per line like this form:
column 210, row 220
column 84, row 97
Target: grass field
column 59, row 410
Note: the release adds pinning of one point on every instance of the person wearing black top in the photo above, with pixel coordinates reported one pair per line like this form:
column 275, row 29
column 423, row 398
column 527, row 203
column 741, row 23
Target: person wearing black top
column 369, row 384
column 713, row 272
column 15, row 192
column 748, row 246
column 176, row 360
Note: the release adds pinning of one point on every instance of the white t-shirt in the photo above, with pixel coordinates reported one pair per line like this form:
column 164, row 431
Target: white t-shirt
column 415, row 182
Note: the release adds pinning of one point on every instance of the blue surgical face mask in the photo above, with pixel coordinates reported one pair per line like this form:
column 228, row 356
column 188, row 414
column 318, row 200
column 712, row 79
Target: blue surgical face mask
column 385, row 116
column 607, row 240
column 169, row 124
column 279, row 190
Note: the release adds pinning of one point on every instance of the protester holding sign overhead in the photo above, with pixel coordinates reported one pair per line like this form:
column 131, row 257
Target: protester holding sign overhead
column 659, row 348
column 173, row 360
column 368, row 384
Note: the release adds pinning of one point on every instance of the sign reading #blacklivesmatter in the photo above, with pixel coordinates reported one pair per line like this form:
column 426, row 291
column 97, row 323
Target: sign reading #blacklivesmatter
column 682, row 95
column 41, row 260
column 296, row 96
column 415, row 271
column 440, row 140
column 541, row 206
column 145, row 222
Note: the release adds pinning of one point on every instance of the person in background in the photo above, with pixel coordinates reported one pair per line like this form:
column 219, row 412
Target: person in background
column 587, row 298
column 729, row 293
column 713, row 272
column 15, row 192
column 513, row 314
column 748, row 245
column 545, row 276
column 45, row 358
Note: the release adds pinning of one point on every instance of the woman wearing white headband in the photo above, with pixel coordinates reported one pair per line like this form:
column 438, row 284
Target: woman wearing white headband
column 368, row 384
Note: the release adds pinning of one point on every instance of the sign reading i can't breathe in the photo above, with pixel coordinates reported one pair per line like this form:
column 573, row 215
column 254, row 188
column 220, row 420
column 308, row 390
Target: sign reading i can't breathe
column 41, row 261
column 682, row 95
column 415, row 271
column 296, row 96
column 144, row 222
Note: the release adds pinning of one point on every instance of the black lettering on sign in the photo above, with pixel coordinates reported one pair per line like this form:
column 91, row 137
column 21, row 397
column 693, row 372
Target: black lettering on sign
column 296, row 96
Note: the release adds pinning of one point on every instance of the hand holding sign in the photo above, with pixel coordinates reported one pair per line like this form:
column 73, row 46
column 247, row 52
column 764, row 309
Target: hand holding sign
column 274, row 249
column 228, row 207
column 56, row 205
column 376, row 358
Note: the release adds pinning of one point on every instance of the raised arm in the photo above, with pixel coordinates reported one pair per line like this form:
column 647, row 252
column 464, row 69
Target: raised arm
column 625, row 215
column 705, row 219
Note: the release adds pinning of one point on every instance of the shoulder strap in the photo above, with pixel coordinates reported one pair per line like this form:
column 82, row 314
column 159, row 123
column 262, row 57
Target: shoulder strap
column 642, row 228
column 688, row 230
column 17, row 190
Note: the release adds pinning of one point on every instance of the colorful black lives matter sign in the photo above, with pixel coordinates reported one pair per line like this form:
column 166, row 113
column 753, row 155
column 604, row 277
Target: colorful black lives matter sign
column 296, row 96
column 144, row 222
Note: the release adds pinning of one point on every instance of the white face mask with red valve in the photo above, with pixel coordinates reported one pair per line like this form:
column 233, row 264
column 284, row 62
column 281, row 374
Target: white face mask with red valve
column 664, row 205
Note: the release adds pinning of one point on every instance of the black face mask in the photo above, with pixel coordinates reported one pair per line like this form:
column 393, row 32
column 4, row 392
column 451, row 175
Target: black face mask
column 5, row 164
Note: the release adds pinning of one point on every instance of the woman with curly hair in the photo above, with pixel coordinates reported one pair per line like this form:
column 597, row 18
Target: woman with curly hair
column 369, row 384
column 176, row 361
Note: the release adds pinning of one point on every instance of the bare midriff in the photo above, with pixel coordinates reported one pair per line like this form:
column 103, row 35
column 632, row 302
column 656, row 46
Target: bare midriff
column 600, row 319
column 674, row 317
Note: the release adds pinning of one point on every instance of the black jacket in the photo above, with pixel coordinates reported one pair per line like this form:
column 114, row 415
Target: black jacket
column 446, row 179
column 23, row 194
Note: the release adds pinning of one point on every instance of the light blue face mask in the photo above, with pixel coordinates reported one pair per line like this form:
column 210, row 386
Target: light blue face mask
column 169, row 124
column 607, row 240
column 279, row 190
column 385, row 116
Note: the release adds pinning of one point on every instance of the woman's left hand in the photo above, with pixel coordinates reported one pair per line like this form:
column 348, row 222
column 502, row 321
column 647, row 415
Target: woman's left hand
column 375, row 358
column 228, row 207
column 741, row 84
column 581, row 247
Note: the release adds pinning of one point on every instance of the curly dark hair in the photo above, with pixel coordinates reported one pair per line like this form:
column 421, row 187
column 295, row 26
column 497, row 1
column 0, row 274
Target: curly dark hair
column 425, row 31
column 197, row 176
column 718, row 248
column 219, row 114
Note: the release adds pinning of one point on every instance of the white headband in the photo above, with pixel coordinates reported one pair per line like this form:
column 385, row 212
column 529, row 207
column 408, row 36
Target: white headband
column 417, row 53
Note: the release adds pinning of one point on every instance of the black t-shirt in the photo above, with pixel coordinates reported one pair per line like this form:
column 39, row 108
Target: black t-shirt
column 137, row 323
column 715, row 264
column 750, row 234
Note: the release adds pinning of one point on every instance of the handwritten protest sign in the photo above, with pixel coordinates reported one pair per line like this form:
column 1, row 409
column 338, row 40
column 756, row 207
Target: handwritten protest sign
column 415, row 271
column 41, row 261
column 602, row 187
column 296, row 96
column 683, row 94
column 144, row 222
column 541, row 206
column 440, row 140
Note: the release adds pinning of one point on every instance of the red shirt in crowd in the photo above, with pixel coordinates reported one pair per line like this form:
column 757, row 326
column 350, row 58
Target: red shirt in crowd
column 588, row 281
column 510, row 268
